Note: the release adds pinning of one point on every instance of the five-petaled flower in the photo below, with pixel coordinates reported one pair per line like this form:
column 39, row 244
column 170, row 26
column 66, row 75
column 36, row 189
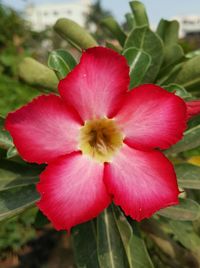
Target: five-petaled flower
column 101, row 142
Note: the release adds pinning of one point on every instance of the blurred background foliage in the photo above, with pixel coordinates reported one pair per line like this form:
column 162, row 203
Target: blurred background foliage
column 28, row 240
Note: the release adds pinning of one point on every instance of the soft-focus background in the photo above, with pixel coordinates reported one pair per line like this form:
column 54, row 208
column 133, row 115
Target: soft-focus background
column 26, row 30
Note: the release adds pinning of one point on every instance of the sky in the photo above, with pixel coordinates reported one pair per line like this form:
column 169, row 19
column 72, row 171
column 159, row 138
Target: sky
column 156, row 9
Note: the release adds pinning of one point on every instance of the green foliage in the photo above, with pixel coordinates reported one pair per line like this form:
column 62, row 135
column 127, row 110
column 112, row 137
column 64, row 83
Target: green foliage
column 113, row 239
column 61, row 62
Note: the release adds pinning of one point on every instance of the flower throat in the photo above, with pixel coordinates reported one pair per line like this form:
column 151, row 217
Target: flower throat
column 100, row 139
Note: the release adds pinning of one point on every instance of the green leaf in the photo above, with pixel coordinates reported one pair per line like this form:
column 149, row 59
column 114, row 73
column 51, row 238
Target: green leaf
column 76, row 35
column 172, row 56
column 13, row 174
column 147, row 41
column 139, row 62
column 130, row 21
column 110, row 248
column 40, row 220
column 179, row 91
column 190, row 140
column 186, row 210
column 188, row 175
column 16, row 200
column 5, row 138
column 139, row 13
column 37, row 74
column 114, row 47
column 114, row 28
column 61, row 62
column 84, row 238
column 193, row 54
column 170, row 77
column 186, row 235
column 12, row 152
column 134, row 245
column 168, row 31
column 189, row 76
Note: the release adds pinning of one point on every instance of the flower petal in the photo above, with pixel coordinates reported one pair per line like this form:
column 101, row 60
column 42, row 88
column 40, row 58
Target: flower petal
column 141, row 182
column 72, row 191
column 44, row 129
column 95, row 85
column 193, row 108
column 151, row 117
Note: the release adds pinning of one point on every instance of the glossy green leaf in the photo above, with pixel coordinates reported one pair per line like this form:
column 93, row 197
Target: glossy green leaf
column 189, row 76
column 134, row 245
column 74, row 34
column 179, row 91
column 114, row 28
column 139, row 13
column 16, row 200
column 188, row 175
column 147, row 41
column 62, row 62
column 186, row 210
column 139, row 62
column 37, row 74
column 5, row 138
column 168, row 31
column 110, row 248
column 84, row 238
column 189, row 141
column 186, row 235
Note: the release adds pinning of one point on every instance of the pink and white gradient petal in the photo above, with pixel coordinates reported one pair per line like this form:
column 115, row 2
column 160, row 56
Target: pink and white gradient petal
column 151, row 117
column 72, row 191
column 95, row 86
column 141, row 182
column 44, row 129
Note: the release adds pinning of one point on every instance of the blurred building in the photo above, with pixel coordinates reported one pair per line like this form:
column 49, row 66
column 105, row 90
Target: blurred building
column 44, row 16
column 189, row 25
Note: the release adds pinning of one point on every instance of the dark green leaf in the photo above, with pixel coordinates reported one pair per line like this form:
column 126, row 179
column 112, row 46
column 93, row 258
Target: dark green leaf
column 190, row 140
column 172, row 56
column 74, row 34
column 188, row 175
column 186, row 210
column 189, row 76
column 5, row 138
column 186, row 235
column 114, row 28
column 16, row 200
column 61, row 62
column 134, row 245
column 13, row 174
column 168, row 31
column 84, row 239
column 40, row 220
column 147, row 41
column 139, row 62
column 179, row 91
column 110, row 248
column 139, row 13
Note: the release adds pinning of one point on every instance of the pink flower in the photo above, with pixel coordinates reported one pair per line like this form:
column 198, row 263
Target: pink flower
column 100, row 142
column 193, row 108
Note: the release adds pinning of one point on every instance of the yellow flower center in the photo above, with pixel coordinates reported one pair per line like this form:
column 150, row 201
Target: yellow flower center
column 100, row 139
